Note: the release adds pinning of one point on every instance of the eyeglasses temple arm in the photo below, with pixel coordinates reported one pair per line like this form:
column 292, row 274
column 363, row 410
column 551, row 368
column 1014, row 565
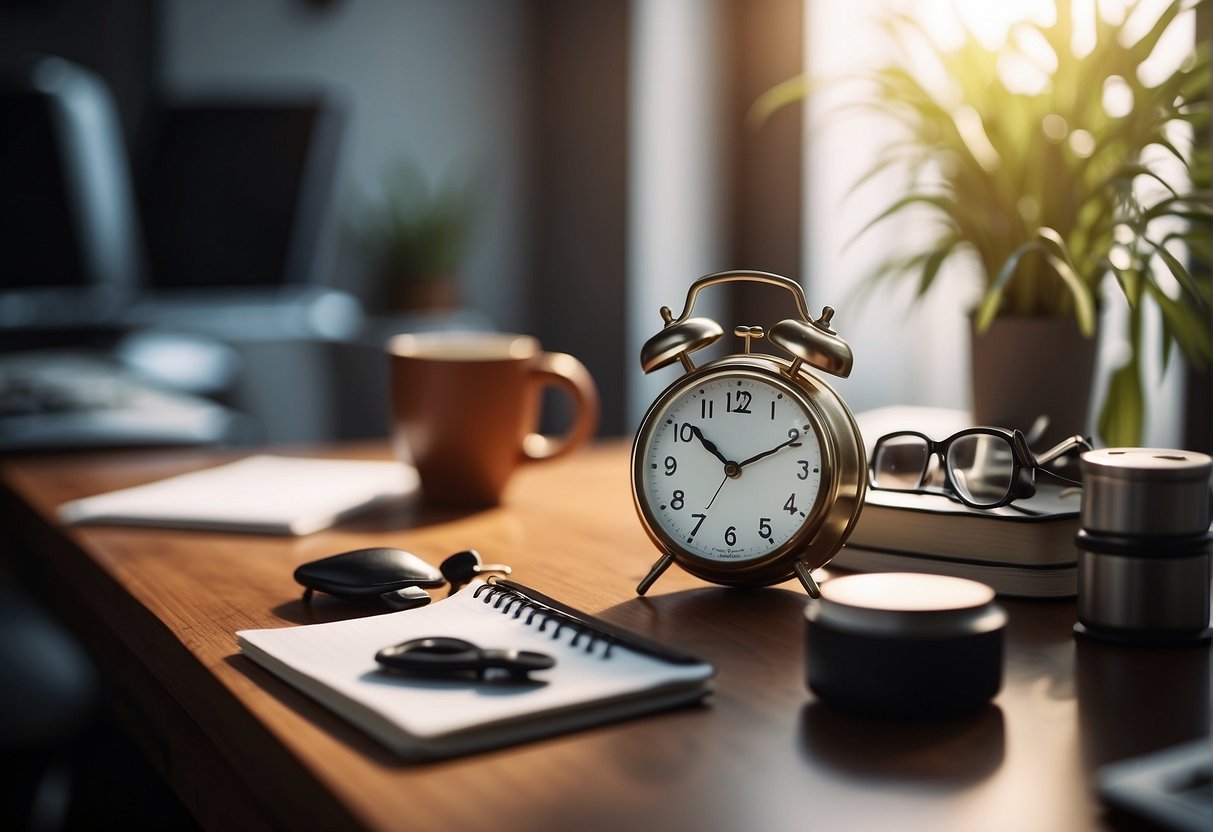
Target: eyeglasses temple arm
column 1064, row 446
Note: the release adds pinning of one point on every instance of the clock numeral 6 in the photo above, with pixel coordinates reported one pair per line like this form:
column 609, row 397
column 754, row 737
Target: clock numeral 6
column 730, row 536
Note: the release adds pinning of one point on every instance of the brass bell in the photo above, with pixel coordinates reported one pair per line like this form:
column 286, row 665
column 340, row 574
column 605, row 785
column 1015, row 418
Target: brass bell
column 677, row 341
column 813, row 343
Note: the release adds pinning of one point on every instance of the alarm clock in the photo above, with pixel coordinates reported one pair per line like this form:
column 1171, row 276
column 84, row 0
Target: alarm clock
column 750, row 469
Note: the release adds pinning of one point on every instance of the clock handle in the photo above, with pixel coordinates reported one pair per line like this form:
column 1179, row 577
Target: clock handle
column 802, row 305
column 557, row 369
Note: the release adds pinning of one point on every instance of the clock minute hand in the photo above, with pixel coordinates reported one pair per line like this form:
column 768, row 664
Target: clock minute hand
column 780, row 446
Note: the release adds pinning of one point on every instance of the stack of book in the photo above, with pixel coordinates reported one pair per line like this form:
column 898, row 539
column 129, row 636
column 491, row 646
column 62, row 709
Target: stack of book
column 1026, row 549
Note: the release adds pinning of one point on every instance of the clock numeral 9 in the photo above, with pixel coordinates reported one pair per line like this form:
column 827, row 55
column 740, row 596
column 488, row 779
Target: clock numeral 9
column 678, row 501
column 671, row 465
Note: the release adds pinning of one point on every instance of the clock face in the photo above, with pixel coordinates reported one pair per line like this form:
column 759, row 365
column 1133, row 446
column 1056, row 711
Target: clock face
column 731, row 466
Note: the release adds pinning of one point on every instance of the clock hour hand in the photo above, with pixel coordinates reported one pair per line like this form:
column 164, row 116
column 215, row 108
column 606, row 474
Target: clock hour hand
column 793, row 441
column 710, row 445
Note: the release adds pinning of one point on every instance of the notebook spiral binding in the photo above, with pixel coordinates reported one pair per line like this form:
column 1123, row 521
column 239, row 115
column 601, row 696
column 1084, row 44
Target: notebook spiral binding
column 507, row 596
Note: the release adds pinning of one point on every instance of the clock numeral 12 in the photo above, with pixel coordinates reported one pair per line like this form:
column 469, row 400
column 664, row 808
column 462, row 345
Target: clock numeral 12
column 743, row 402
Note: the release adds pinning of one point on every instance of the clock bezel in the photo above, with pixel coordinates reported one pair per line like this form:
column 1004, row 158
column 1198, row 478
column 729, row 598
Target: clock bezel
column 823, row 532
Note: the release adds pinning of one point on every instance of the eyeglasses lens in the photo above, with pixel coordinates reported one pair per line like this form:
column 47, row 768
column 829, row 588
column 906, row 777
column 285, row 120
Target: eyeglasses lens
column 900, row 462
column 982, row 466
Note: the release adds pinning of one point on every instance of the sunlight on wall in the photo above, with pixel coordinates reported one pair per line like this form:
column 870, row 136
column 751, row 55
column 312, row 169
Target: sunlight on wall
column 905, row 352
column 675, row 173
column 911, row 351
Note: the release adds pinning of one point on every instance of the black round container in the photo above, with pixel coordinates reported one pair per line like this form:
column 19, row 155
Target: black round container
column 905, row 645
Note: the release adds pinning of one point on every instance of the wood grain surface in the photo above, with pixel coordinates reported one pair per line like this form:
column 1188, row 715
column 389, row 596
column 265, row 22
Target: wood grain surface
column 244, row 750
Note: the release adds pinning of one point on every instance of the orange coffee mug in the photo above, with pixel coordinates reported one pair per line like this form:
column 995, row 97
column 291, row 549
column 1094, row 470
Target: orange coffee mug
column 466, row 406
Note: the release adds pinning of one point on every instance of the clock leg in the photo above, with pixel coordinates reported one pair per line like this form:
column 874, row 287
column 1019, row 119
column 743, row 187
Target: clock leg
column 806, row 577
column 662, row 564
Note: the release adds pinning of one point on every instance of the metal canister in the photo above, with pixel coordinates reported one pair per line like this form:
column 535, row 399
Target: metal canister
column 1144, row 547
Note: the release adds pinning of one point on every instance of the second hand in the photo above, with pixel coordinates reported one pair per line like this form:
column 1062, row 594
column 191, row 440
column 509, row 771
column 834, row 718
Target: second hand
column 722, row 482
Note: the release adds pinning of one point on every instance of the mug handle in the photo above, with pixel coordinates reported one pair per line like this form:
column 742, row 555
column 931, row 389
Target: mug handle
column 558, row 369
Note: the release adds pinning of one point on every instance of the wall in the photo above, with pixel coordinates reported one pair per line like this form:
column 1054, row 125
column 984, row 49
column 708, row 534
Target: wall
column 440, row 84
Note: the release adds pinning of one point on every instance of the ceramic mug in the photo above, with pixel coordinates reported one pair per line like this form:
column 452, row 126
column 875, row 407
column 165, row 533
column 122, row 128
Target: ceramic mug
column 466, row 406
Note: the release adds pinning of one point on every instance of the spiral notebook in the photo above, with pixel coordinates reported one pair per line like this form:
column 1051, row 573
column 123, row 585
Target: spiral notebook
column 602, row 673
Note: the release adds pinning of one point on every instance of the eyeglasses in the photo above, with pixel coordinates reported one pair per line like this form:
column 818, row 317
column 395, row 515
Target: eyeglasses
column 982, row 467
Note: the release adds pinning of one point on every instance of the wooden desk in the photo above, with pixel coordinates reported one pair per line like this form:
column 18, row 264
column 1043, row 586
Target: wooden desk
column 243, row 749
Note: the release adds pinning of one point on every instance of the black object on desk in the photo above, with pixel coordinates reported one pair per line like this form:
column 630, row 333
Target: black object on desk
column 456, row 657
column 367, row 574
column 905, row 645
column 1172, row 787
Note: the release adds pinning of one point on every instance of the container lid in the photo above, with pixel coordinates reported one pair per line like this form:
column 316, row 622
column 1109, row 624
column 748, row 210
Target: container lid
column 1146, row 492
column 1153, row 464
column 907, row 604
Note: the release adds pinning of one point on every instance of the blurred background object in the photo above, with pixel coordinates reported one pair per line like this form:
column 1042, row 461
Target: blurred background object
column 415, row 237
column 611, row 160
column 606, row 146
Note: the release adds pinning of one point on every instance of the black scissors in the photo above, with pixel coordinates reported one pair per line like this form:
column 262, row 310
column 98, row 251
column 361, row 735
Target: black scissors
column 453, row 657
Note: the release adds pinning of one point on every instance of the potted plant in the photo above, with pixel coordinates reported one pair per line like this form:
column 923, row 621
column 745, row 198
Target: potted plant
column 1049, row 191
column 415, row 237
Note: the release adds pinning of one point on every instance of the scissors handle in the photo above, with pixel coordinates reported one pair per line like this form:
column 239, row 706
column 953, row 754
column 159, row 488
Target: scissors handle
column 445, row 656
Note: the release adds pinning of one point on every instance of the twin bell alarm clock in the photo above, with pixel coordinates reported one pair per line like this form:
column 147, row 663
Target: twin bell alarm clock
column 749, row 469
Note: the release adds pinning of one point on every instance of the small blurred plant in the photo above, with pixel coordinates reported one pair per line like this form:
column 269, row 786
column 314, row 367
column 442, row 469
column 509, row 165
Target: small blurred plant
column 417, row 234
